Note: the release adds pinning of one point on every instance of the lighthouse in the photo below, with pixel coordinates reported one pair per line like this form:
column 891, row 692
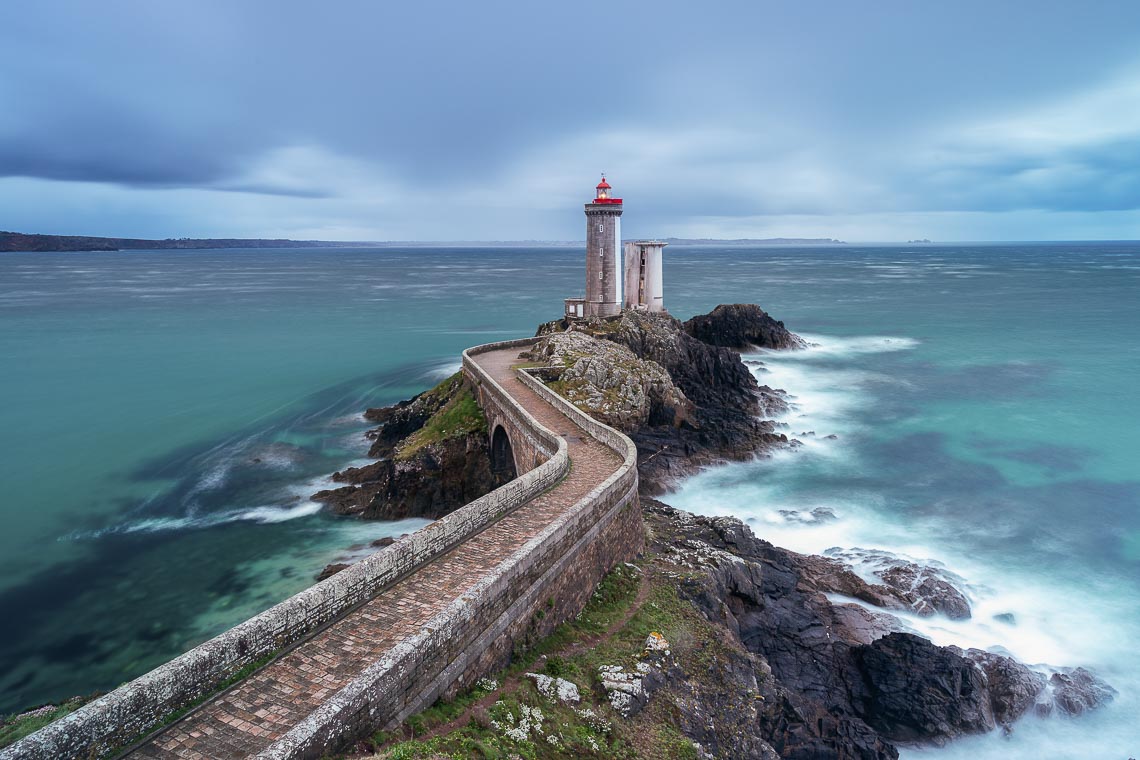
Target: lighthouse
column 603, row 253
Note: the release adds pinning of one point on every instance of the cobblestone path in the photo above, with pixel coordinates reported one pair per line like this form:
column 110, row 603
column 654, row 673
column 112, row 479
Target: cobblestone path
column 251, row 716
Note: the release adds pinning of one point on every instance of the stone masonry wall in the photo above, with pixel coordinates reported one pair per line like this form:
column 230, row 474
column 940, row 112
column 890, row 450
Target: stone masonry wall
column 529, row 447
column 477, row 631
column 134, row 708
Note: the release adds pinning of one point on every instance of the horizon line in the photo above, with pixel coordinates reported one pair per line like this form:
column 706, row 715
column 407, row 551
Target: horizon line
column 774, row 241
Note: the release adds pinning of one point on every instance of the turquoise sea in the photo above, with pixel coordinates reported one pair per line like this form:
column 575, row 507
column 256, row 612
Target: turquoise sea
column 165, row 415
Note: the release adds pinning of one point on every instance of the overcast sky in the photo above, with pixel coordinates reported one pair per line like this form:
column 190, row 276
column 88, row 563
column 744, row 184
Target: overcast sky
column 492, row 120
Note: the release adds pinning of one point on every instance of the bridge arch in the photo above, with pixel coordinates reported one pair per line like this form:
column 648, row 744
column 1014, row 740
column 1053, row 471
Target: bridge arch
column 503, row 464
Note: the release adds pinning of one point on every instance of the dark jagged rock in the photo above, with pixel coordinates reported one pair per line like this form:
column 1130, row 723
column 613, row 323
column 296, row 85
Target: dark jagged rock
column 415, row 478
column 722, row 410
column 800, row 651
column 1077, row 691
column 437, row 479
column 839, row 680
column 927, row 589
column 331, row 570
column 913, row 691
column 1013, row 688
column 742, row 326
column 930, row 593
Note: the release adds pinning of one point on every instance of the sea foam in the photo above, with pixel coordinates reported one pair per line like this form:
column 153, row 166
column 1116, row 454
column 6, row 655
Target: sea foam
column 815, row 497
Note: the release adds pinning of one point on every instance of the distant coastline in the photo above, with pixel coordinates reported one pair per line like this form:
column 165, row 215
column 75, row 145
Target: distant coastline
column 11, row 242
column 16, row 241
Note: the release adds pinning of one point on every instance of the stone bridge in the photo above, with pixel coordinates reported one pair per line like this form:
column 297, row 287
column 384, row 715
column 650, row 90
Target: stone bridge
column 420, row 619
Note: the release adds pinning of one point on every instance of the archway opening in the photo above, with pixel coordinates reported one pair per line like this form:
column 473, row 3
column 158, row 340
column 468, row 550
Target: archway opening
column 502, row 457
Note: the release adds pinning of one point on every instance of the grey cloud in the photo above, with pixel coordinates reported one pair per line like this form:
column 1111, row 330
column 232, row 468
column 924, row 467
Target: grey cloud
column 448, row 98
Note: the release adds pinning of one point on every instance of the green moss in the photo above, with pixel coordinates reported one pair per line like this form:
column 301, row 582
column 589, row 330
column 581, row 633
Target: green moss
column 443, row 711
column 604, row 327
column 676, row 746
column 443, row 391
column 459, row 417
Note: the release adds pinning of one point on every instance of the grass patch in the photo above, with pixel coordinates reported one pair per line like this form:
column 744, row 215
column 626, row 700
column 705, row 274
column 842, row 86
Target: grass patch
column 574, row 651
column 16, row 727
column 459, row 416
column 443, row 711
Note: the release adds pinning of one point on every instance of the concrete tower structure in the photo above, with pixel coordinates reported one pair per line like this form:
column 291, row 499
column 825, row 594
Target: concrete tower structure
column 644, row 286
column 603, row 242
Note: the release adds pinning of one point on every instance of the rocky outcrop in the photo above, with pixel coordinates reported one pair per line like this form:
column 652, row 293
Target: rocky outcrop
column 927, row 589
column 911, row 691
column 742, row 326
column 424, row 469
column 330, row 570
column 835, row 679
column 437, row 479
column 707, row 407
column 1013, row 688
column 685, row 403
column 1074, row 692
column 611, row 383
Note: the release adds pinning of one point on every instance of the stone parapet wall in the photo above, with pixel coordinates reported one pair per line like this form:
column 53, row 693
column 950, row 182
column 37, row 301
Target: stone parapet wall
column 473, row 635
column 555, row 572
column 620, row 443
column 530, row 448
column 140, row 705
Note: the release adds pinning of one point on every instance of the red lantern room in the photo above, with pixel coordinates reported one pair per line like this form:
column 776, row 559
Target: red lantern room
column 603, row 193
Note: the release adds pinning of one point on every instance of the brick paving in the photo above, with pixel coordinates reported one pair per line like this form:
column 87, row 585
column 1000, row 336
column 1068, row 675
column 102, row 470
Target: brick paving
column 251, row 716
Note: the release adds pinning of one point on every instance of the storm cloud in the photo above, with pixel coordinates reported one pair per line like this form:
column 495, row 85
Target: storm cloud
column 447, row 120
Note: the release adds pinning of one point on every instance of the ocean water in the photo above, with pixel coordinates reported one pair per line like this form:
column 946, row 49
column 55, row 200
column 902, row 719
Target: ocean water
column 984, row 406
column 165, row 415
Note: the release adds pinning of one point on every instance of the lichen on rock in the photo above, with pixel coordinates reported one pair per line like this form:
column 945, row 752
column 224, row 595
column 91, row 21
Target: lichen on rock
column 610, row 382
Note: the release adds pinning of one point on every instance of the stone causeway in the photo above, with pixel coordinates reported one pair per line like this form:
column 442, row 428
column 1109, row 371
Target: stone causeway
column 419, row 620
